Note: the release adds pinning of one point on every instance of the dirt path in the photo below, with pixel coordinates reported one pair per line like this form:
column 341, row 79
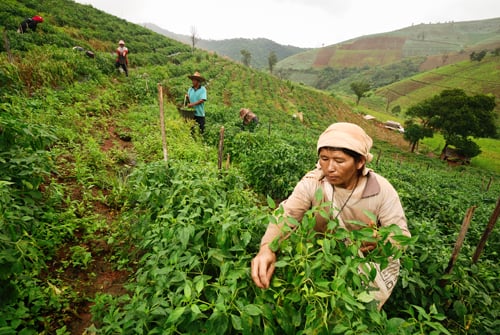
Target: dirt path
column 100, row 274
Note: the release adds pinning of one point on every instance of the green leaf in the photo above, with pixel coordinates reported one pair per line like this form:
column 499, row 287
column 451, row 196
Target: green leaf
column 365, row 297
column 281, row 264
column 195, row 309
column 271, row 203
column 394, row 324
column 252, row 309
column 187, row 290
column 339, row 329
column 322, row 294
column 236, row 322
column 175, row 315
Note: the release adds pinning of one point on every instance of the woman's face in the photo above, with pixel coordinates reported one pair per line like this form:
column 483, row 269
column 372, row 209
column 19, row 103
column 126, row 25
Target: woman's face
column 339, row 168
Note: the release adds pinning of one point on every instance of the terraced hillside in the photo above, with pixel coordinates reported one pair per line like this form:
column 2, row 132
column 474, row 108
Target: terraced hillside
column 414, row 49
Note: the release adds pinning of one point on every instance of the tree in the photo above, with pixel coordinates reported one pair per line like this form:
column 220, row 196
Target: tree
column 458, row 117
column 477, row 56
column 414, row 133
column 194, row 37
column 360, row 88
column 272, row 60
column 246, row 57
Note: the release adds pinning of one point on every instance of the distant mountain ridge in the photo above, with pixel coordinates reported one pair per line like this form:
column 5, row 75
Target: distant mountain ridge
column 259, row 48
column 421, row 40
column 381, row 58
column 408, row 51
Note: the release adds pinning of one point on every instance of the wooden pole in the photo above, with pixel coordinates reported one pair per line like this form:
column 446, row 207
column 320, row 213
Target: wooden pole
column 162, row 122
column 221, row 147
column 487, row 232
column 460, row 239
column 489, row 184
column 378, row 157
column 6, row 45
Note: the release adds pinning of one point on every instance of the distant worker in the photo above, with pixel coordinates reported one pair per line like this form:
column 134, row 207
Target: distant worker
column 88, row 53
column 29, row 23
column 249, row 118
column 122, row 57
column 197, row 95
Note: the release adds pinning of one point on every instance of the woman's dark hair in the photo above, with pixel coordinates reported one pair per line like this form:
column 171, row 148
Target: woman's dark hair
column 357, row 156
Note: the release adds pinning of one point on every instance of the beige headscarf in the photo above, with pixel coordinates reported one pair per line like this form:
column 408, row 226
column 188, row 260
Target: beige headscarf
column 349, row 136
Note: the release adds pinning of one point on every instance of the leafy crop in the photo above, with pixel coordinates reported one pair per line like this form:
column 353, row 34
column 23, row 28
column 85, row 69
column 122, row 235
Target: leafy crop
column 85, row 194
column 197, row 241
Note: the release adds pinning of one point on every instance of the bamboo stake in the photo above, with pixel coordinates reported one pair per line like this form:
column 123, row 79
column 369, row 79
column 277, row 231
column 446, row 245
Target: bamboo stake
column 460, row 239
column 489, row 184
column 487, row 232
column 6, row 45
column 221, row 147
column 378, row 157
column 162, row 122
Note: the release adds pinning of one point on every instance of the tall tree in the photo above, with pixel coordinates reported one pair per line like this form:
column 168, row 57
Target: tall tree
column 272, row 60
column 360, row 88
column 246, row 57
column 194, row 37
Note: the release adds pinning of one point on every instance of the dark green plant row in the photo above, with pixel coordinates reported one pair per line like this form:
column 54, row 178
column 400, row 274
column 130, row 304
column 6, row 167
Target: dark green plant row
column 198, row 236
column 194, row 273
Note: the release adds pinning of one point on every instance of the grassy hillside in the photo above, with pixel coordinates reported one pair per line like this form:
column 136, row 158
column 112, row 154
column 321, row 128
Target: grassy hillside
column 388, row 57
column 99, row 234
column 472, row 77
column 407, row 66
column 419, row 40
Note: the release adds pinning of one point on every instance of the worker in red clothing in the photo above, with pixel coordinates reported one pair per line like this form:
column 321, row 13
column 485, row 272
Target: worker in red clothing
column 29, row 23
column 122, row 57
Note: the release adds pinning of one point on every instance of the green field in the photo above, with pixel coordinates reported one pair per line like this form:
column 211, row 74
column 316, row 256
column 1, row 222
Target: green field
column 107, row 227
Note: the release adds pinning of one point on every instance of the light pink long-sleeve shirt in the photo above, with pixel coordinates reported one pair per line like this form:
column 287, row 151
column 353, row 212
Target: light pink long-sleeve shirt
column 373, row 193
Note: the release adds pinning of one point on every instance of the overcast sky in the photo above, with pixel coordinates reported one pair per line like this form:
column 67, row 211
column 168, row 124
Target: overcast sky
column 302, row 23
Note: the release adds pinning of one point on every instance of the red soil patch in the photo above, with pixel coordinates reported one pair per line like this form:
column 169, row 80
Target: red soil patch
column 98, row 277
column 375, row 43
column 323, row 56
column 122, row 141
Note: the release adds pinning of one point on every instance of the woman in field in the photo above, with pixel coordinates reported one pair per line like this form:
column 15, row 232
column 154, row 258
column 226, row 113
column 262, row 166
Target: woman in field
column 351, row 189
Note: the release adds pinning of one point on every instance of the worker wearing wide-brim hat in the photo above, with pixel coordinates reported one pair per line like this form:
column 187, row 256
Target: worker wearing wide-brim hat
column 196, row 97
column 249, row 118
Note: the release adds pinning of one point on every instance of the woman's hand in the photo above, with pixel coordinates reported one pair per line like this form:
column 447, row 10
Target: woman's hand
column 369, row 246
column 262, row 266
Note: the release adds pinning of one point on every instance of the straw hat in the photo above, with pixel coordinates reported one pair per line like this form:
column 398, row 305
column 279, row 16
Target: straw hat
column 121, row 42
column 196, row 76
